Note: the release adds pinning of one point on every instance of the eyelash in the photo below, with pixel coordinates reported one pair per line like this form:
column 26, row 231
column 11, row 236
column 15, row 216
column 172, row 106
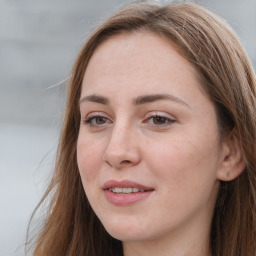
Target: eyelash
column 89, row 120
column 166, row 120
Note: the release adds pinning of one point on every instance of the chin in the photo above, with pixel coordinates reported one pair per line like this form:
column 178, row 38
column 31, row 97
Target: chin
column 126, row 236
column 124, row 230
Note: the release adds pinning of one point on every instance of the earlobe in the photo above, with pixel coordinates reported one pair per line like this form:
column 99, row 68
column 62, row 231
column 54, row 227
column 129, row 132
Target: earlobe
column 232, row 164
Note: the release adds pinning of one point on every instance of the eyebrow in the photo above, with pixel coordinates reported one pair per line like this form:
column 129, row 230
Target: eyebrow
column 95, row 98
column 144, row 99
column 156, row 97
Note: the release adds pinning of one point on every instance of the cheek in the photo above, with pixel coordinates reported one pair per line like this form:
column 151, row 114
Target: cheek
column 88, row 159
column 186, row 178
column 185, row 164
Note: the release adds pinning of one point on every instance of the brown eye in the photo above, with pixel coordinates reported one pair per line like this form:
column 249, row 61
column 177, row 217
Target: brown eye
column 159, row 120
column 100, row 120
column 95, row 121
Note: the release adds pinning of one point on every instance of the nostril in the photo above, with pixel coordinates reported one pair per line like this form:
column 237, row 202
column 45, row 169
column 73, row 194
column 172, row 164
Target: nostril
column 121, row 158
column 125, row 162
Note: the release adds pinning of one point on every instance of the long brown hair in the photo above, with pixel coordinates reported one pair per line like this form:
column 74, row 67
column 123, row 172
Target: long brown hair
column 226, row 76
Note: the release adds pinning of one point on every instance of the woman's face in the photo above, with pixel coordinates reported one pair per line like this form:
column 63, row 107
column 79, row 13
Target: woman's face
column 148, row 148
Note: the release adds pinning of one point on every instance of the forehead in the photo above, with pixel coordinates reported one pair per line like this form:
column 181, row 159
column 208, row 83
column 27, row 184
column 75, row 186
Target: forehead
column 137, row 58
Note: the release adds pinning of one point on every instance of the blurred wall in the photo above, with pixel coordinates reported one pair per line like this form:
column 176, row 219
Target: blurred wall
column 39, row 41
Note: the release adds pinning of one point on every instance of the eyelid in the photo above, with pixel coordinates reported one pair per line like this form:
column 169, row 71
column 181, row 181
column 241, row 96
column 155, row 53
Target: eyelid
column 91, row 117
column 160, row 114
column 95, row 114
column 168, row 118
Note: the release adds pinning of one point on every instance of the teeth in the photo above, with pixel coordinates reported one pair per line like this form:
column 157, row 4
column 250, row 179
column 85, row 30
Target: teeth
column 126, row 190
column 118, row 190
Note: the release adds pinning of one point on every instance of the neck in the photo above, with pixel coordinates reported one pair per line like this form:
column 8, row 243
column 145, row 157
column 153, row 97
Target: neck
column 191, row 239
column 162, row 247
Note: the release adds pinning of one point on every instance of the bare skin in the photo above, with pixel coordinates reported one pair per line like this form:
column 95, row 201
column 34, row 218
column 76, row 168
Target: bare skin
column 131, row 130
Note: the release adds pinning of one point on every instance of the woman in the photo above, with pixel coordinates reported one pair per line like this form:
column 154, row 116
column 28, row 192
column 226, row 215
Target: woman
column 157, row 152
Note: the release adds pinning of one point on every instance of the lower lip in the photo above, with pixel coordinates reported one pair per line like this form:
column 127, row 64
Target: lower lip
column 125, row 199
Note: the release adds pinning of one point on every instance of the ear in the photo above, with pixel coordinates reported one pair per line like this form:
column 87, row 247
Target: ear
column 232, row 162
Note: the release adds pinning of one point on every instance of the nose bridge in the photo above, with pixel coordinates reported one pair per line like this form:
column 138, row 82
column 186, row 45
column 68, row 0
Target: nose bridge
column 122, row 148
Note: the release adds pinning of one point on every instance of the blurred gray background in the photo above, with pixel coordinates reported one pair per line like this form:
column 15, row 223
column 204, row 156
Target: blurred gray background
column 39, row 41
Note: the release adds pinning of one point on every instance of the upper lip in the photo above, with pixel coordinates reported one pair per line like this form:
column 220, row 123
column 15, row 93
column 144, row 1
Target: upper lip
column 124, row 184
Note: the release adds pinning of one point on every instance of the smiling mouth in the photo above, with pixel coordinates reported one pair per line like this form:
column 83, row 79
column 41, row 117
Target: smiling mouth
column 117, row 190
column 125, row 187
column 125, row 192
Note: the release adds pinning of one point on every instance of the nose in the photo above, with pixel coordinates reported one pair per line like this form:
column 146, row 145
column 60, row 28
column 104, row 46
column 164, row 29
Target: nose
column 122, row 149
